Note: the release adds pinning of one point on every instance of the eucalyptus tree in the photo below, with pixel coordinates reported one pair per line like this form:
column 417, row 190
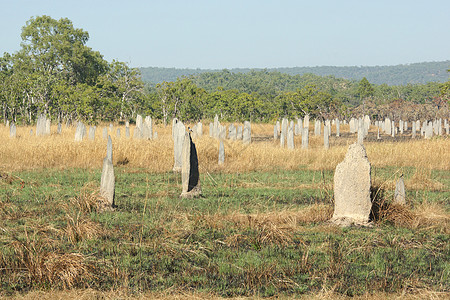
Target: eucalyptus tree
column 181, row 98
column 123, row 85
column 54, row 53
column 6, row 85
column 365, row 91
column 55, row 73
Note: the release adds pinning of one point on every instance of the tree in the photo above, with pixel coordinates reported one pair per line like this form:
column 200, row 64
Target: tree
column 445, row 91
column 57, row 74
column 56, row 47
column 6, row 71
column 181, row 99
column 54, row 54
column 123, row 84
column 315, row 102
column 365, row 90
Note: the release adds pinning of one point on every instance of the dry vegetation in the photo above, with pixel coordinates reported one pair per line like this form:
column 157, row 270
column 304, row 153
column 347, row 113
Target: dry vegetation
column 169, row 295
column 60, row 257
column 28, row 152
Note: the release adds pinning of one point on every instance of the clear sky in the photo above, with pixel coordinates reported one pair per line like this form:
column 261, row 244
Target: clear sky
column 247, row 33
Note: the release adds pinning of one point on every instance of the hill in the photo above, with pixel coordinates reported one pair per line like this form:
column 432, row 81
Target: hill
column 392, row 75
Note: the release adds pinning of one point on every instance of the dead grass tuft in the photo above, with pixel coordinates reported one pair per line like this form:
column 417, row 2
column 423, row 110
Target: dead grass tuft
column 90, row 200
column 43, row 265
column 316, row 213
column 432, row 216
column 428, row 216
column 397, row 214
column 79, row 227
column 67, row 268
column 270, row 233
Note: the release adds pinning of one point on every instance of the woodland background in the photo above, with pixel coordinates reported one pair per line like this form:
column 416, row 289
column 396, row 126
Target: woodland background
column 56, row 74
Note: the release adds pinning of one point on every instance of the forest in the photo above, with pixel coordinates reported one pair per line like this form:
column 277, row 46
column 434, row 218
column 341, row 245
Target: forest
column 415, row 73
column 56, row 74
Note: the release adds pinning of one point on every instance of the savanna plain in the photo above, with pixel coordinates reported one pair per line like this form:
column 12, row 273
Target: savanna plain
column 259, row 230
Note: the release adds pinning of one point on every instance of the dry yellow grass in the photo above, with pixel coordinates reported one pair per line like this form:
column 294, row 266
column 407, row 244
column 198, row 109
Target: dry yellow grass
column 431, row 216
column 427, row 216
column 324, row 295
column 286, row 219
column 424, row 154
column 60, row 151
column 41, row 265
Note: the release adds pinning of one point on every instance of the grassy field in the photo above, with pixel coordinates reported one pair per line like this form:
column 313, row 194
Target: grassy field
column 259, row 230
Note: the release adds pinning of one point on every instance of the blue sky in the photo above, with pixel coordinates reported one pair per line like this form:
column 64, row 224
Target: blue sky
column 247, row 33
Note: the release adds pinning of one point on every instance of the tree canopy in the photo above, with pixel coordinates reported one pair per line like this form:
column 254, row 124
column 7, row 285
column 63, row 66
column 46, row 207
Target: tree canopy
column 55, row 73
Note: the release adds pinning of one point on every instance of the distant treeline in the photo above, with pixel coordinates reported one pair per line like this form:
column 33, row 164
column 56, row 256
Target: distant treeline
column 265, row 96
column 416, row 73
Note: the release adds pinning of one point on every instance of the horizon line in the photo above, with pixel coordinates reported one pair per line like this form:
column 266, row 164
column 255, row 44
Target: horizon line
column 317, row 66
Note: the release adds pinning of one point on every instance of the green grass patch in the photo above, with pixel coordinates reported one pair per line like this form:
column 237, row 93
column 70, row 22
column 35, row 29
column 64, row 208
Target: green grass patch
column 245, row 236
